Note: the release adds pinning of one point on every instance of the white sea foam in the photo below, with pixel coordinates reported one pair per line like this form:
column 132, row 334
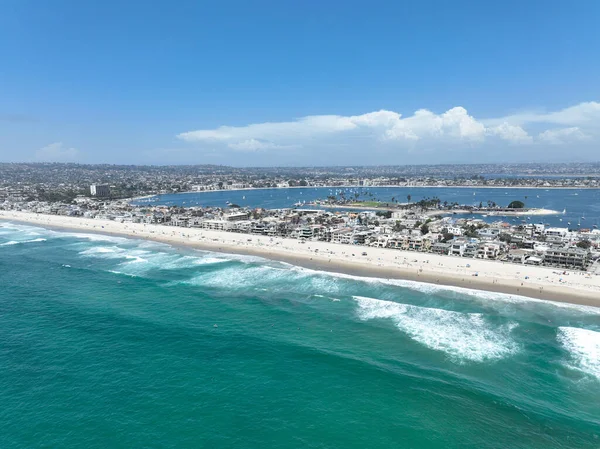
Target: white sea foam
column 20, row 228
column 584, row 347
column 246, row 277
column 428, row 288
column 122, row 273
column 92, row 237
column 209, row 260
column 463, row 336
column 15, row 242
column 96, row 250
column 135, row 259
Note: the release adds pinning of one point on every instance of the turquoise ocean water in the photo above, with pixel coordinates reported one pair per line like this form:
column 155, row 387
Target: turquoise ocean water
column 107, row 342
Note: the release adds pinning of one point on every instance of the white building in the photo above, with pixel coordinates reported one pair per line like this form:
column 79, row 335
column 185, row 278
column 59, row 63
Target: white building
column 557, row 232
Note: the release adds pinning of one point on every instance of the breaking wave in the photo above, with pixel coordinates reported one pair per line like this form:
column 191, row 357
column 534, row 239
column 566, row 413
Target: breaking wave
column 432, row 289
column 463, row 336
column 584, row 348
column 15, row 242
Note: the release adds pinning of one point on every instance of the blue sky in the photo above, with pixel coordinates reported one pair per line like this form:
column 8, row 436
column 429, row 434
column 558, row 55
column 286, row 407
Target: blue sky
column 299, row 83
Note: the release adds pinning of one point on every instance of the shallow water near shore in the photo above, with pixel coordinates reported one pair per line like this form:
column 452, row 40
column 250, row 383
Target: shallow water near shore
column 114, row 342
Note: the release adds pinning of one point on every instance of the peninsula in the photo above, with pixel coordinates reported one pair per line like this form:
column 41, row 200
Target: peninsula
column 515, row 279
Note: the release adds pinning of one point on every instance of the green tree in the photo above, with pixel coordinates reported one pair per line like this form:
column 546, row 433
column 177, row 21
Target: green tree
column 516, row 205
column 584, row 244
column 447, row 236
column 424, row 229
column 398, row 227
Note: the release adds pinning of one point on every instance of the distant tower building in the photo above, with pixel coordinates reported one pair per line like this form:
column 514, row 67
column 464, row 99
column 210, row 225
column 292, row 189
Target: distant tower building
column 100, row 190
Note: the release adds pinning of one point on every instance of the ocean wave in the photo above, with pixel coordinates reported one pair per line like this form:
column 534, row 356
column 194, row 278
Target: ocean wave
column 240, row 277
column 92, row 237
column 584, row 348
column 463, row 336
column 431, row 289
column 208, row 260
column 139, row 261
column 15, row 242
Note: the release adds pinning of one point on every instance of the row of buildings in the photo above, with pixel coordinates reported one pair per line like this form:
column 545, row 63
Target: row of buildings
column 409, row 230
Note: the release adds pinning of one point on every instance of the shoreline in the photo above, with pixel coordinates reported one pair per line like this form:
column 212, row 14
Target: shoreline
column 492, row 276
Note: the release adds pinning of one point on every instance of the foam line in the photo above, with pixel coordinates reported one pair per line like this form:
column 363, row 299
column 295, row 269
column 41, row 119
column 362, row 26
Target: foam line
column 463, row 336
column 584, row 348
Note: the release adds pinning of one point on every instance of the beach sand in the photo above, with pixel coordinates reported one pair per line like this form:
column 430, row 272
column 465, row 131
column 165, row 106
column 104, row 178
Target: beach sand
column 536, row 282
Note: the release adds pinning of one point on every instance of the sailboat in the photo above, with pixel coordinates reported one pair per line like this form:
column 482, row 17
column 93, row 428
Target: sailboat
column 564, row 211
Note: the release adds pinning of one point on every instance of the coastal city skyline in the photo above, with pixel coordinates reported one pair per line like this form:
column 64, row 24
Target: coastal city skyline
column 268, row 84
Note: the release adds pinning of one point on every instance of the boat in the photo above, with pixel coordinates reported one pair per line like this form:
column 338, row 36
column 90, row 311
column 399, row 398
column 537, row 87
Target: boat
column 564, row 211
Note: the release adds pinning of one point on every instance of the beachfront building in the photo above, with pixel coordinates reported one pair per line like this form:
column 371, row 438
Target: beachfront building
column 360, row 238
column 457, row 248
column 419, row 243
column 441, row 248
column 342, row 235
column 471, row 249
column 216, row 225
column 568, row 258
column 488, row 250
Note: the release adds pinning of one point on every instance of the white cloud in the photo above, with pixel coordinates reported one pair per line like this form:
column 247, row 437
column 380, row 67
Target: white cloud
column 562, row 136
column 57, row 152
column 579, row 114
column 512, row 133
column 453, row 129
column 255, row 145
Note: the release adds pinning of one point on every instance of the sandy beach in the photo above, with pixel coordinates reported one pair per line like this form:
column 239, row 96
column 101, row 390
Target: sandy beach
column 536, row 282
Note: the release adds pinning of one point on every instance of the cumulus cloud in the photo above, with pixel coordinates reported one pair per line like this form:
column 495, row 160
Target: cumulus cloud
column 57, row 152
column 563, row 135
column 454, row 128
column 511, row 133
